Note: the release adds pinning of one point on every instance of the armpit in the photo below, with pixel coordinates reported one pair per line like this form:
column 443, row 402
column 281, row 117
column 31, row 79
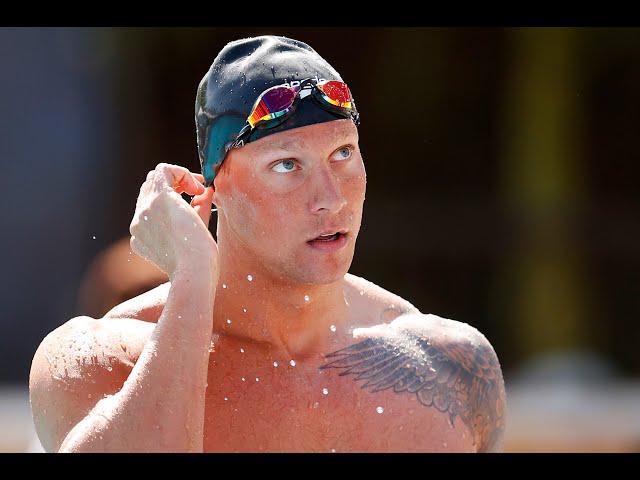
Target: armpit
column 454, row 371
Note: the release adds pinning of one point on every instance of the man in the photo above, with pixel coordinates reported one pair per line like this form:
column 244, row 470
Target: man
column 262, row 341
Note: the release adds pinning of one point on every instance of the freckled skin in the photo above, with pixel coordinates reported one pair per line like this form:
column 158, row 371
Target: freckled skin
column 273, row 214
column 303, row 305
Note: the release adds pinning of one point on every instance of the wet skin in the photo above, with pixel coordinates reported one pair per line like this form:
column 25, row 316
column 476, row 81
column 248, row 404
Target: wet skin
column 280, row 299
column 286, row 409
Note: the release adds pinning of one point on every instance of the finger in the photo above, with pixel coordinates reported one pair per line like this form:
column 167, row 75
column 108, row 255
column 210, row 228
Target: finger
column 179, row 177
column 198, row 177
column 202, row 204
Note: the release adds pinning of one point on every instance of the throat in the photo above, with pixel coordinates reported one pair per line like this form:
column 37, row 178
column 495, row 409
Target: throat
column 298, row 321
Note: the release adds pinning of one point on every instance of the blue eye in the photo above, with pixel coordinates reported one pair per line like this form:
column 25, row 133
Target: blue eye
column 345, row 152
column 287, row 166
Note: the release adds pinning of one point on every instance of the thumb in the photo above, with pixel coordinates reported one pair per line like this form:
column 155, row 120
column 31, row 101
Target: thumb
column 202, row 204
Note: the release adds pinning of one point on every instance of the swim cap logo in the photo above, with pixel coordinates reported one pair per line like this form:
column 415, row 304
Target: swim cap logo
column 296, row 83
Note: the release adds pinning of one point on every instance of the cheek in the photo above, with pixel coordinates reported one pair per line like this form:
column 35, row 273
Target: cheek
column 354, row 184
column 263, row 214
column 234, row 191
column 281, row 213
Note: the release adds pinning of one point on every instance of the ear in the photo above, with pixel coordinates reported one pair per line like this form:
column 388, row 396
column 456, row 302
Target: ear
column 202, row 204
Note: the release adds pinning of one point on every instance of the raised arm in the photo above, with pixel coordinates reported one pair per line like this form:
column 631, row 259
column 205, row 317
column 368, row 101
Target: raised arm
column 159, row 407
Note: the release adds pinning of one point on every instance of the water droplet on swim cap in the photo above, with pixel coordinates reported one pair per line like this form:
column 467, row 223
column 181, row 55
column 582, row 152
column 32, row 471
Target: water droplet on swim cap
column 240, row 71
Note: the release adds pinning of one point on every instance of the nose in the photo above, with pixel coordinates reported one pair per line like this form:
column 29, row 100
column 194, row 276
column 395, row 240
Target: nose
column 326, row 193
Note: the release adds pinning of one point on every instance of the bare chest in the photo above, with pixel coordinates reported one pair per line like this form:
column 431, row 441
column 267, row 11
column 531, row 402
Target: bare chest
column 255, row 403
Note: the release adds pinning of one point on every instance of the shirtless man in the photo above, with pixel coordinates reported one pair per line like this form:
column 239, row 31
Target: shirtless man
column 261, row 340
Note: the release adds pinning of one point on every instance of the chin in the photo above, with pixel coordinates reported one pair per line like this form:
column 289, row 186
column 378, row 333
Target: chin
column 312, row 270
column 323, row 278
column 314, row 274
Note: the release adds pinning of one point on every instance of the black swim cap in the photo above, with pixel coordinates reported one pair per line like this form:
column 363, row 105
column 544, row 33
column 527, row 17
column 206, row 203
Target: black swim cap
column 243, row 70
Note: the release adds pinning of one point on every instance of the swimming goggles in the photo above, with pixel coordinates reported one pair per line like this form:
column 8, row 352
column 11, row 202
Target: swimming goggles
column 277, row 103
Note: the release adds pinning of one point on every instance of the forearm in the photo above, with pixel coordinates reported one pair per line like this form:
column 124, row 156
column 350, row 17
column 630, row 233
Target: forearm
column 161, row 404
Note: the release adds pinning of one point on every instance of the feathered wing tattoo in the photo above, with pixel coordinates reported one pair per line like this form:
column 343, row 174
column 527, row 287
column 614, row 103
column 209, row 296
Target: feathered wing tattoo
column 458, row 375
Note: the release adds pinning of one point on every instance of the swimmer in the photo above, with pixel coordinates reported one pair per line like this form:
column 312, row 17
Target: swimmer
column 262, row 341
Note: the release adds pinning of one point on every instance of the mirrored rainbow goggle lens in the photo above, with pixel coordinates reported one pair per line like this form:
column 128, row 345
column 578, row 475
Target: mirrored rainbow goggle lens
column 277, row 101
column 336, row 93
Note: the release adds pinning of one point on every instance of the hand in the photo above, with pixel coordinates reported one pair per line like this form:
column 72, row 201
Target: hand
column 165, row 230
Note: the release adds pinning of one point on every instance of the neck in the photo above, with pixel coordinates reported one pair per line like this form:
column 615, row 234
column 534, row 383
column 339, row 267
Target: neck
column 287, row 318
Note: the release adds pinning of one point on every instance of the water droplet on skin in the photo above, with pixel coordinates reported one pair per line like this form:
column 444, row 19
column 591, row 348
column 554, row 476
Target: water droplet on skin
column 244, row 310
column 250, row 278
column 292, row 363
column 226, row 399
column 229, row 321
column 325, row 391
column 242, row 350
column 333, row 450
column 275, row 364
column 89, row 396
column 306, row 298
column 146, row 218
column 211, row 347
column 94, row 237
column 243, row 379
column 361, row 292
column 316, row 405
column 179, row 316
column 110, row 368
column 224, row 285
column 185, row 238
column 379, row 409
column 332, row 328
column 257, row 379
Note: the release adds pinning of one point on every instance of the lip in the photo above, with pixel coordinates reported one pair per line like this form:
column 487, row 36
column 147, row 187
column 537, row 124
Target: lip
column 329, row 231
column 332, row 246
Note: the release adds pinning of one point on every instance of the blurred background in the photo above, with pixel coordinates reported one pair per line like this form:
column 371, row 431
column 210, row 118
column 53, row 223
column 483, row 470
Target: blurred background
column 502, row 192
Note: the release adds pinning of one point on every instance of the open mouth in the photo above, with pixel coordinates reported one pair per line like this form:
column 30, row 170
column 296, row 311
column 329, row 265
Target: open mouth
column 329, row 241
column 327, row 238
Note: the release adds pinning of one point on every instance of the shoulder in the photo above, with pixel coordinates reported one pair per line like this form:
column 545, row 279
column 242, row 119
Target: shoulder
column 377, row 304
column 448, row 365
column 75, row 366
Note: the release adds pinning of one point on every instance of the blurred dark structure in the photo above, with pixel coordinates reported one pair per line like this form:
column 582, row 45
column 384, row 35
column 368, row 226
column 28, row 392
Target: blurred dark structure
column 502, row 171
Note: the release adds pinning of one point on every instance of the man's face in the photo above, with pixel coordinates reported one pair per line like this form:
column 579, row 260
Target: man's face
column 280, row 192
